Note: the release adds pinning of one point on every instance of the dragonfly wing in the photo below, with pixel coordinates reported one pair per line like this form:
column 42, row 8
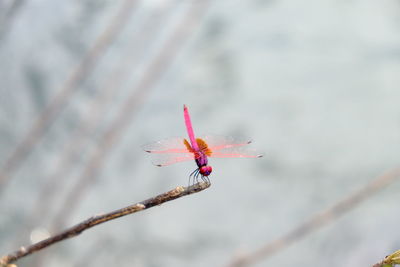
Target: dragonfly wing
column 230, row 147
column 169, row 151
column 218, row 142
column 168, row 159
column 169, row 145
column 236, row 153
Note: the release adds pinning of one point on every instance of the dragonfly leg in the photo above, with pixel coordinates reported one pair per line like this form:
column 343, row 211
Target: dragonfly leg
column 206, row 179
column 193, row 176
column 197, row 176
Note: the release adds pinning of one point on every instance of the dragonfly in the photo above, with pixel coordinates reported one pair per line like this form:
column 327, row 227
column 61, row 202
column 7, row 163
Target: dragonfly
column 177, row 149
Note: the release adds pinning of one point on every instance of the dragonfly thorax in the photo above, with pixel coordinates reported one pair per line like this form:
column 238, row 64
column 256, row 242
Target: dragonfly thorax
column 205, row 170
column 201, row 159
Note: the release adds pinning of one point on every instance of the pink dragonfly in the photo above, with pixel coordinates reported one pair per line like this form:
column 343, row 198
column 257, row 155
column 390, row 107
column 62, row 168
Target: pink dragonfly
column 172, row 150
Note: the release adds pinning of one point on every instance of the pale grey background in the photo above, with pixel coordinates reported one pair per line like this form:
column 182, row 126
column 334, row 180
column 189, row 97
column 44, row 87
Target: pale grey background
column 314, row 83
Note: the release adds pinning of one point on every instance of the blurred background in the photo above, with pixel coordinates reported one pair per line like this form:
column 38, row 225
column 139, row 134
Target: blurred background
column 84, row 84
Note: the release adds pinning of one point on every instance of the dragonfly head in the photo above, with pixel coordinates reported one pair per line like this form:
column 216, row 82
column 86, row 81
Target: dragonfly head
column 205, row 170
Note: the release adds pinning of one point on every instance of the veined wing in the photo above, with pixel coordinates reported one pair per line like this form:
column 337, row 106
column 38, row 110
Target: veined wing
column 168, row 145
column 218, row 142
column 168, row 159
column 230, row 147
column 169, row 151
column 236, row 152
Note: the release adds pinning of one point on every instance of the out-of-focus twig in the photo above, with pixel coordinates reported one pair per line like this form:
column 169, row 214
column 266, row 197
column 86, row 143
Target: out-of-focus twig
column 175, row 193
column 152, row 74
column 315, row 222
column 8, row 13
column 50, row 112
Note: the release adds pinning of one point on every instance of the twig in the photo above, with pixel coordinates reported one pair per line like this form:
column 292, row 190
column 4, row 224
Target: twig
column 315, row 222
column 178, row 192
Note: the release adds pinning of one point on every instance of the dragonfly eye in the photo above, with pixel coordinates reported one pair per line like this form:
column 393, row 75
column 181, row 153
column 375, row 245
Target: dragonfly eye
column 205, row 170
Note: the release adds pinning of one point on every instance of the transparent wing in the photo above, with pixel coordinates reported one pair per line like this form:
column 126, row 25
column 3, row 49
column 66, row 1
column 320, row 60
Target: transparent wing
column 168, row 151
column 168, row 145
column 230, row 147
column 218, row 142
column 168, row 159
column 236, row 152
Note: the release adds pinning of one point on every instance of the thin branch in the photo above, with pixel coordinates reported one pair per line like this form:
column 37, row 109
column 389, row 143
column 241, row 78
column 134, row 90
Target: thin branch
column 317, row 221
column 178, row 192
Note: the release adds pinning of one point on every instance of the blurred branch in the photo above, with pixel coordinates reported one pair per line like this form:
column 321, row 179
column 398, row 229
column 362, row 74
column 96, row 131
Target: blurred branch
column 317, row 221
column 7, row 14
column 178, row 192
column 50, row 112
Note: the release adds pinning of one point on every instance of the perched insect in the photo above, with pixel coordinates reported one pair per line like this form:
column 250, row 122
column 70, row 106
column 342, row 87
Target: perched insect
column 172, row 150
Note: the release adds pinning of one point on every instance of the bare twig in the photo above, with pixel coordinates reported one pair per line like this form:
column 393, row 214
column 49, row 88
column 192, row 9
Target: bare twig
column 51, row 111
column 178, row 192
column 317, row 221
